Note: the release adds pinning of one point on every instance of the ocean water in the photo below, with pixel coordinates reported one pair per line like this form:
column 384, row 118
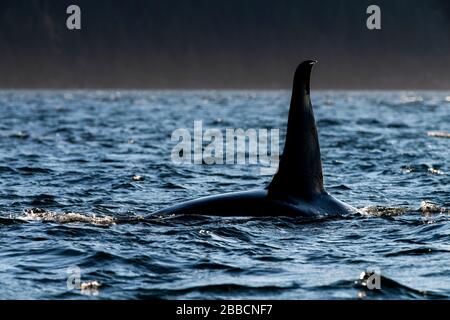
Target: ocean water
column 76, row 223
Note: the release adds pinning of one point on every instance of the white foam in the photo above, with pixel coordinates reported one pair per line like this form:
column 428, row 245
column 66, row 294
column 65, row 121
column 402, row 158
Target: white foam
column 69, row 217
column 438, row 134
column 382, row 211
column 428, row 207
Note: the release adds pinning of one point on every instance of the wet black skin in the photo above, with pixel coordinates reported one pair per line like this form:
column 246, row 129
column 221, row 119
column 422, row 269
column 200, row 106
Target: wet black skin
column 297, row 187
column 260, row 203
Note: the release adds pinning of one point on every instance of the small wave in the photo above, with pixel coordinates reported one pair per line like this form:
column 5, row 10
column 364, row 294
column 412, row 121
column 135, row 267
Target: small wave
column 10, row 221
column 410, row 100
column 415, row 252
column 90, row 288
column 426, row 208
column 379, row 211
column 218, row 289
column 422, row 168
column 397, row 125
column 20, row 135
column 341, row 187
column 328, row 122
column 33, row 170
column 390, row 288
column 208, row 265
column 371, row 285
column 37, row 214
column 137, row 178
column 43, row 200
column 4, row 169
column 438, row 134
column 369, row 121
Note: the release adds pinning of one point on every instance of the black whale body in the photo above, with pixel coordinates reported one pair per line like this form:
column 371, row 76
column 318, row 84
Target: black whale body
column 297, row 187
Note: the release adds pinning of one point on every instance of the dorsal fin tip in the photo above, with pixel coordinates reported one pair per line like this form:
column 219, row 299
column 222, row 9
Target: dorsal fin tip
column 300, row 170
column 302, row 74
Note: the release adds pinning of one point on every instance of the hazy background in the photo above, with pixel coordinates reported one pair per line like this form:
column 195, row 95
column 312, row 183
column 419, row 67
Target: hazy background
column 223, row 44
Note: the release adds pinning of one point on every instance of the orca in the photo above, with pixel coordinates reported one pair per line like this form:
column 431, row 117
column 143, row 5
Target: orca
column 297, row 187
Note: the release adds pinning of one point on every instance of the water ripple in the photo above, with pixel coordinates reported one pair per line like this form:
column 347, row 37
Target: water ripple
column 82, row 171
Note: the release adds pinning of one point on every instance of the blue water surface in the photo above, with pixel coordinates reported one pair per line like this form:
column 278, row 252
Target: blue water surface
column 82, row 171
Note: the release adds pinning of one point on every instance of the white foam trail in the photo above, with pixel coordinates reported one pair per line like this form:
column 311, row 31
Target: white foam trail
column 90, row 288
column 438, row 134
column 70, row 217
column 426, row 208
column 382, row 211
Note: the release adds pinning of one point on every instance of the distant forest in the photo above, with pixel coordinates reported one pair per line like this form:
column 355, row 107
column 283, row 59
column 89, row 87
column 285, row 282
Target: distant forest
column 224, row 44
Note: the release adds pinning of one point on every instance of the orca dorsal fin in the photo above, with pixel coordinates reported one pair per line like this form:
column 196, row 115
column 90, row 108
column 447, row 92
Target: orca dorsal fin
column 300, row 169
